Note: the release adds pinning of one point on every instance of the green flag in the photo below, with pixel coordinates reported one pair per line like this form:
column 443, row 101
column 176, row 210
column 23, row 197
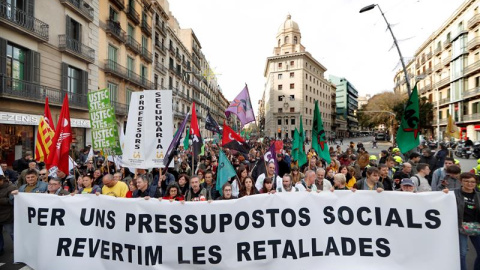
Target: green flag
column 408, row 131
column 319, row 140
column 186, row 140
column 298, row 154
column 225, row 171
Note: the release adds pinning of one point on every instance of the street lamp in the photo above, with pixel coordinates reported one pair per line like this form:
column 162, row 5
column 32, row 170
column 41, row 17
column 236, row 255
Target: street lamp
column 372, row 6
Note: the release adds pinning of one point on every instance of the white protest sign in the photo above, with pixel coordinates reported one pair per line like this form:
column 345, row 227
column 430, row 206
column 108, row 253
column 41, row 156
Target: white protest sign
column 298, row 230
column 133, row 151
column 158, row 126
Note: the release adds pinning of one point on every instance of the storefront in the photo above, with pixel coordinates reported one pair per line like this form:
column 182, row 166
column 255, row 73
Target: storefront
column 18, row 134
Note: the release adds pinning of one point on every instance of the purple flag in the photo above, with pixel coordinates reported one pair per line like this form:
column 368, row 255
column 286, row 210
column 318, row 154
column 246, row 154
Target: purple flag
column 175, row 142
column 270, row 156
column 241, row 106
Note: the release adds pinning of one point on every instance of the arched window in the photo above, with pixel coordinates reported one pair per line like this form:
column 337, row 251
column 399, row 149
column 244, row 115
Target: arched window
column 286, row 40
column 279, row 43
column 295, row 40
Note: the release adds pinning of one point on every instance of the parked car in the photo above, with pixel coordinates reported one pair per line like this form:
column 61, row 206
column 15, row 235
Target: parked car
column 380, row 137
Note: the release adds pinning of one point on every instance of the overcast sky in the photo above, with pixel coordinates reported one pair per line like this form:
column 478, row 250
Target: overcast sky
column 237, row 36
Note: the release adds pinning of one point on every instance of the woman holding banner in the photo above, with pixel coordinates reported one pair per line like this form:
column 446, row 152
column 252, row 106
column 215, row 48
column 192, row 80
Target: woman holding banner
column 248, row 189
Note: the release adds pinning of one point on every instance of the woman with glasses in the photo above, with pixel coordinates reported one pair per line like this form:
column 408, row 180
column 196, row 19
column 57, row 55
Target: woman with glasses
column 468, row 209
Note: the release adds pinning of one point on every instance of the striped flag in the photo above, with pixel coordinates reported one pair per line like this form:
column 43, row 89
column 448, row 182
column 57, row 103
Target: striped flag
column 44, row 140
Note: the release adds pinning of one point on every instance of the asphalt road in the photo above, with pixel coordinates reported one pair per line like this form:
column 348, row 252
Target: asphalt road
column 6, row 261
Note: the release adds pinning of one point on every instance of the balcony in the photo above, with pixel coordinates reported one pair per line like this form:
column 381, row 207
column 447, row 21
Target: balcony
column 29, row 91
column 471, row 117
column 438, row 67
column 429, row 71
column 160, row 47
column 114, row 30
column 122, row 72
column 442, row 83
column 447, row 43
column 146, row 55
column 423, row 59
column 171, row 50
column 429, row 55
column 120, row 108
column 473, row 44
column 195, row 84
column 446, row 60
column 178, row 56
column 473, row 68
column 428, row 87
column 76, row 48
column 119, row 3
column 161, row 29
column 196, row 50
column 80, row 7
column 196, row 62
column 438, row 50
column 133, row 45
column 146, row 28
column 444, row 101
column 474, row 21
column 133, row 15
column 19, row 20
column 472, row 92
column 160, row 68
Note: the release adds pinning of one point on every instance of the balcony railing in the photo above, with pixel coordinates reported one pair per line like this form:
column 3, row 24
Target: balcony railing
column 472, row 92
column 438, row 67
column 162, row 29
column 76, row 48
column 122, row 72
column 443, row 82
column 471, row 117
column 196, row 62
column 429, row 55
column 160, row 68
column 114, row 29
column 438, row 50
column 447, row 43
column 473, row 68
column 446, row 61
column 423, row 59
column 429, row 71
column 29, row 91
column 473, row 44
column 133, row 15
column 474, row 21
column 171, row 50
column 178, row 56
column 146, row 28
column 81, row 7
column 133, row 45
column 444, row 100
column 120, row 108
column 147, row 55
column 19, row 19
column 160, row 46
column 119, row 3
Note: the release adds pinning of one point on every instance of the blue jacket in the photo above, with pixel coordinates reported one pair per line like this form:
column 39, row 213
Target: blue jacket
column 40, row 187
column 150, row 191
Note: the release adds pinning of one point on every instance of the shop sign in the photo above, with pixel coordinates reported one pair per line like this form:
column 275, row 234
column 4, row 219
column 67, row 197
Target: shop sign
column 81, row 123
column 19, row 118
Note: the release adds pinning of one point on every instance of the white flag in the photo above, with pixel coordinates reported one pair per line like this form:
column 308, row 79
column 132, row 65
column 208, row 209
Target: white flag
column 133, row 153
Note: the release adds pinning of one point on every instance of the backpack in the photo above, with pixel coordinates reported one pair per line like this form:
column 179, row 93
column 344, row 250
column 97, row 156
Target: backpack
column 418, row 180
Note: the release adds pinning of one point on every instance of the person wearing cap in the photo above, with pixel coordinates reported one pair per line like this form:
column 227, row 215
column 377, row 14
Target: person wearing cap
column 407, row 185
column 440, row 173
column 414, row 159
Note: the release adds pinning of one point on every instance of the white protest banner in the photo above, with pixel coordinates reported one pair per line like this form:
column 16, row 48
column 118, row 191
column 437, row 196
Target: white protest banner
column 158, row 126
column 299, row 230
column 133, row 151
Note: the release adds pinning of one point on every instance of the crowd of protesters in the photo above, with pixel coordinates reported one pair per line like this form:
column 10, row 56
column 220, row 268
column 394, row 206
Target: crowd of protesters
column 194, row 178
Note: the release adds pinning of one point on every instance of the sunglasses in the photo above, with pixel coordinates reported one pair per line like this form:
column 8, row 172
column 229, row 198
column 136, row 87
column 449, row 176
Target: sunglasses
column 43, row 174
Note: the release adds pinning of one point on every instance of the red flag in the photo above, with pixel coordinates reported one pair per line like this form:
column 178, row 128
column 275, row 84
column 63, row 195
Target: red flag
column 231, row 140
column 48, row 115
column 61, row 142
column 197, row 141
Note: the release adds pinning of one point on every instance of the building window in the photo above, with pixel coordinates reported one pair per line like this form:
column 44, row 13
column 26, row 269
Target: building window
column 280, row 76
column 280, row 87
column 16, row 62
column 113, row 15
column 279, row 121
column 292, row 121
column 292, row 97
column 295, row 40
column 306, row 110
column 292, row 86
column 155, row 81
column 292, row 63
column 292, row 109
column 113, row 91
column 292, row 74
column 74, row 80
column 280, row 98
column 280, row 65
column 475, row 108
column 286, row 40
column 112, row 53
column 280, row 110
column 128, row 95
